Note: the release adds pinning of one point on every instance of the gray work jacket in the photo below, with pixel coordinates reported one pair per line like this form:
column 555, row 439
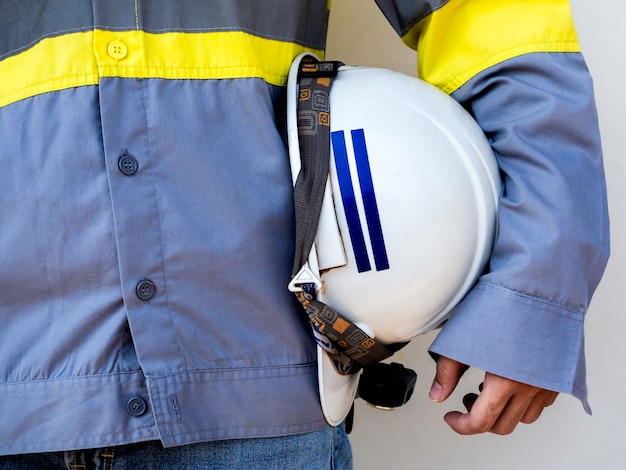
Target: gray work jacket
column 146, row 222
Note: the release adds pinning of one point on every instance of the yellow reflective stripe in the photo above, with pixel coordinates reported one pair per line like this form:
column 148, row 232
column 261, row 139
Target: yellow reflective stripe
column 80, row 59
column 465, row 37
column 53, row 64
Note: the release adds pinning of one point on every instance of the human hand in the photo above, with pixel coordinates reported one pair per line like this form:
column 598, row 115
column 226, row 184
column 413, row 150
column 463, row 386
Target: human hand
column 501, row 405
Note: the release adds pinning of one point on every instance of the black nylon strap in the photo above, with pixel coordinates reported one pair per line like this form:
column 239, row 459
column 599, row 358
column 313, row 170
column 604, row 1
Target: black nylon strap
column 349, row 347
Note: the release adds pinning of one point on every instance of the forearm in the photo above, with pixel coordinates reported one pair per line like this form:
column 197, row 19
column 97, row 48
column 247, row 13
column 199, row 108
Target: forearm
column 524, row 320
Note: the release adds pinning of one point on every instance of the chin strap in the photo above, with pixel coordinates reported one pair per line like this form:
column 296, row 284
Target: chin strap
column 348, row 346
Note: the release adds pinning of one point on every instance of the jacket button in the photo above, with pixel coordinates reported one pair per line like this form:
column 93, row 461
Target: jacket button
column 128, row 164
column 145, row 289
column 136, row 406
column 117, row 49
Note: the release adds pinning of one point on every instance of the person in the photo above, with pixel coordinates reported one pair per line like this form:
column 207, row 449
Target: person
column 147, row 227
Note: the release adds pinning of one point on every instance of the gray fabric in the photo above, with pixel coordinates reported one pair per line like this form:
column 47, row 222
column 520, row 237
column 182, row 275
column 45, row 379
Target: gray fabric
column 404, row 14
column 208, row 217
column 26, row 22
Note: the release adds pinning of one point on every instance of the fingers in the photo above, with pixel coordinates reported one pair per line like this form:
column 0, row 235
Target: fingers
column 500, row 407
column 544, row 399
column 447, row 376
column 469, row 400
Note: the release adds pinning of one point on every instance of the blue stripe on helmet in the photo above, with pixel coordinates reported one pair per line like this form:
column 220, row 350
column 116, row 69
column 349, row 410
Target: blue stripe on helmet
column 369, row 200
column 349, row 201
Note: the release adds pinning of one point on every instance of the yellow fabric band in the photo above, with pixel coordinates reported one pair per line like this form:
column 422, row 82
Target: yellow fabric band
column 81, row 59
column 466, row 37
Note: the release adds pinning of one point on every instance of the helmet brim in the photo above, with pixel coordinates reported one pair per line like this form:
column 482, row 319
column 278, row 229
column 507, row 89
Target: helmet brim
column 337, row 391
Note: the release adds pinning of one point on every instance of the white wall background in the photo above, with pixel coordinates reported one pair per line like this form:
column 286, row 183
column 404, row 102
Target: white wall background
column 415, row 437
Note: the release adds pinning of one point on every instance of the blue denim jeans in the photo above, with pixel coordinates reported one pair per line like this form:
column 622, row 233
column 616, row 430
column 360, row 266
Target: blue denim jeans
column 321, row 450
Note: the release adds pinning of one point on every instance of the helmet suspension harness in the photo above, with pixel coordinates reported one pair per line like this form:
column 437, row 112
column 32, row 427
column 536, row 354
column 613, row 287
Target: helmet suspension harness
column 349, row 347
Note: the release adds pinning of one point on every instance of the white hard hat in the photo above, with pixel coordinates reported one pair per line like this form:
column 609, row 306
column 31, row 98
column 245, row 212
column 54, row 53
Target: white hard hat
column 409, row 214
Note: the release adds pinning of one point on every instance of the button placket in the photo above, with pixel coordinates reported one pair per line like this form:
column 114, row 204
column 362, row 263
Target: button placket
column 137, row 220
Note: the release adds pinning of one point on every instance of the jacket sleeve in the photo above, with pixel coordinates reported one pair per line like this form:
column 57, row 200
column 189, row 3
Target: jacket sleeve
column 516, row 66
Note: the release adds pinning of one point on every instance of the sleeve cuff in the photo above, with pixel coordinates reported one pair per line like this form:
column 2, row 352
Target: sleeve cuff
column 520, row 337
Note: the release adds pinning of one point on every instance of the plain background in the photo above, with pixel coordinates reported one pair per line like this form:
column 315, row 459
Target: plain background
column 415, row 436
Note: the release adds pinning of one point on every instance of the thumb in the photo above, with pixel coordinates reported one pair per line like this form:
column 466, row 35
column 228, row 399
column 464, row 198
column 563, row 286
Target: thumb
column 448, row 374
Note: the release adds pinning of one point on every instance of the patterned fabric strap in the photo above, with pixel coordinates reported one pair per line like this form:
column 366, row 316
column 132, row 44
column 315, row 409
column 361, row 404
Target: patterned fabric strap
column 313, row 114
column 349, row 347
